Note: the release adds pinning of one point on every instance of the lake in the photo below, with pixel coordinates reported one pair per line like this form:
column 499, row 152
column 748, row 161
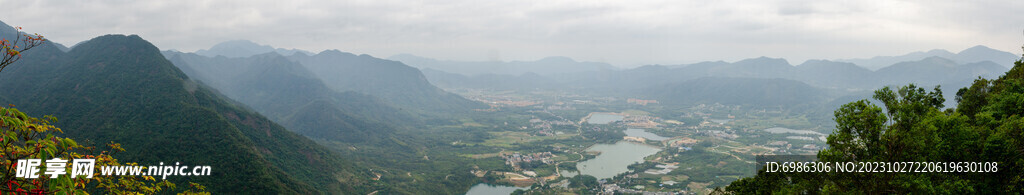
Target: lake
column 614, row 158
column 488, row 189
column 603, row 118
column 644, row 134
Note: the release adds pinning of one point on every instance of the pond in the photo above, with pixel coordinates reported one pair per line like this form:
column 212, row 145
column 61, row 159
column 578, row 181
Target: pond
column 488, row 189
column 644, row 134
column 603, row 118
column 614, row 158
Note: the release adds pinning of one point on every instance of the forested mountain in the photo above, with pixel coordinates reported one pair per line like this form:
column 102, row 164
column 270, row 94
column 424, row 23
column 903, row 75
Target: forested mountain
column 490, row 81
column 404, row 86
column 372, row 132
column 756, row 92
column 121, row 89
column 545, row 66
column 292, row 96
column 829, row 73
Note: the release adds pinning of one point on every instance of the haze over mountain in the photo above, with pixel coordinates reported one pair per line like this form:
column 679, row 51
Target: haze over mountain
column 545, row 66
column 820, row 73
column 382, row 134
column 120, row 88
column 392, row 81
column 974, row 54
column 245, row 48
column 755, row 92
column 292, row 96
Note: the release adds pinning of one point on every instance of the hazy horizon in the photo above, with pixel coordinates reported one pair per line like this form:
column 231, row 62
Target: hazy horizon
column 624, row 34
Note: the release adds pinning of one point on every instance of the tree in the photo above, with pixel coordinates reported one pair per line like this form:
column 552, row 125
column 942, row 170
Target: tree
column 12, row 49
column 583, row 181
column 986, row 127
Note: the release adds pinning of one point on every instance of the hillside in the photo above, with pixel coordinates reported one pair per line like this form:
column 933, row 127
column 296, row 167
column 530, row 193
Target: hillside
column 738, row 91
column 292, row 96
column 396, row 83
column 120, row 88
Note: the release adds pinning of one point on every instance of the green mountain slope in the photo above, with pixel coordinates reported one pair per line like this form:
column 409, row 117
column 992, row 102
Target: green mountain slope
column 393, row 81
column 120, row 88
column 738, row 91
column 289, row 94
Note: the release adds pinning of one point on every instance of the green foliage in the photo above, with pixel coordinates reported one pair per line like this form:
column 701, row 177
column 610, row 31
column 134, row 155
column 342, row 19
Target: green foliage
column 583, row 181
column 25, row 137
column 986, row 127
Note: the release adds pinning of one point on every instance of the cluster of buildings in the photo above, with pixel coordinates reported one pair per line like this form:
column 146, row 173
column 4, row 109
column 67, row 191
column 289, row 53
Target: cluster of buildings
column 615, row 189
column 662, row 169
column 515, row 159
column 641, row 101
column 545, row 126
column 641, row 121
column 718, row 134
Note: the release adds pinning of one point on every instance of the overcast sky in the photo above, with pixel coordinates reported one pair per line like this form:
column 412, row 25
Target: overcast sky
column 623, row 33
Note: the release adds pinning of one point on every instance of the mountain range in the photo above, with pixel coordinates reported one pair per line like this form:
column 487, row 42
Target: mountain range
column 120, row 88
column 545, row 66
column 293, row 96
column 974, row 54
column 245, row 48
column 370, row 110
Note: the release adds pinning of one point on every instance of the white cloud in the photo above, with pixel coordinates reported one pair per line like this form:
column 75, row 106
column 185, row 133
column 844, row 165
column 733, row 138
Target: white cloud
column 619, row 32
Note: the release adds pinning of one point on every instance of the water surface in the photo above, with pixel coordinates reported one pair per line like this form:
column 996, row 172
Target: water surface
column 644, row 134
column 603, row 118
column 614, row 158
column 488, row 189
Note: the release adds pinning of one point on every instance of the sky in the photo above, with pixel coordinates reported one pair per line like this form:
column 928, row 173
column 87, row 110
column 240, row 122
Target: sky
column 622, row 33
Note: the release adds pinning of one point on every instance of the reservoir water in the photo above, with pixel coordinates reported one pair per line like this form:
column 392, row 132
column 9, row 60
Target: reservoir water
column 603, row 118
column 614, row 158
column 644, row 134
column 488, row 189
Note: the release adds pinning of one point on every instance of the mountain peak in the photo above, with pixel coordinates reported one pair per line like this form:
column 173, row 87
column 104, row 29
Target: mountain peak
column 236, row 49
column 977, row 48
column 334, row 52
column 557, row 59
column 134, row 41
column 764, row 61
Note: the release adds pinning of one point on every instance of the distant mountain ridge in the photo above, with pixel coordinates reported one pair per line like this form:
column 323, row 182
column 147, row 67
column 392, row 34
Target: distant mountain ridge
column 545, row 66
column 120, row 88
column 819, row 73
column 293, row 96
column 392, row 81
column 245, row 48
column 974, row 54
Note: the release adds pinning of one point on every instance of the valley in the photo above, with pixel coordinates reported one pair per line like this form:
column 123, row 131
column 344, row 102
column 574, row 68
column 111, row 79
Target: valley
column 547, row 138
column 289, row 121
